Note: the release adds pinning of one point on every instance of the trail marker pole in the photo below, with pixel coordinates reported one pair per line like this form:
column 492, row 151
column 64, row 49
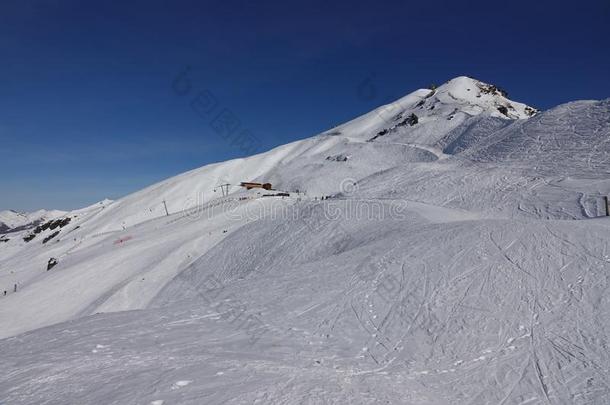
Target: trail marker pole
column 606, row 206
column 165, row 205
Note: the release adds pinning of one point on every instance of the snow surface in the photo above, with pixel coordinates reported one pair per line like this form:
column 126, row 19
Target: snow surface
column 462, row 258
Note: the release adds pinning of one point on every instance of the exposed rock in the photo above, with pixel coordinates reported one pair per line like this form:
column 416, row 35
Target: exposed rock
column 52, row 263
column 410, row 120
column 337, row 158
column 503, row 109
column 531, row 111
column 51, row 236
column 53, row 224
column 491, row 89
column 333, row 133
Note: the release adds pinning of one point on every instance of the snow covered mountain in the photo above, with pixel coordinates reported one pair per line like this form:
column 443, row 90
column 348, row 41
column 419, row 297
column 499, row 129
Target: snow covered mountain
column 11, row 220
column 432, row 251
column 382, row 139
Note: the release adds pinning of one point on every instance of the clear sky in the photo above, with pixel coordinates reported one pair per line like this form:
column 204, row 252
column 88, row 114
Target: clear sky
column 89, row 107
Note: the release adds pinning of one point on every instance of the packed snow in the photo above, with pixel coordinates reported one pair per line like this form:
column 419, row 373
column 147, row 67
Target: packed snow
column 450, row 247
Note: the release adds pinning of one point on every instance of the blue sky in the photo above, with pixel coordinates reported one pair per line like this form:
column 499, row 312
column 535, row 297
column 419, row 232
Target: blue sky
column 88, row 110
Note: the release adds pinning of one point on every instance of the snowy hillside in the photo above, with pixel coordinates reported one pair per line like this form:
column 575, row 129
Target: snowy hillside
column 9, row 220
column 578, row 133
column 451, row 247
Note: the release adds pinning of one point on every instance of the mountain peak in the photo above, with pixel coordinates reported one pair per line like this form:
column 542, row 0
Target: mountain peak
column 425, row 115
column 474, row 97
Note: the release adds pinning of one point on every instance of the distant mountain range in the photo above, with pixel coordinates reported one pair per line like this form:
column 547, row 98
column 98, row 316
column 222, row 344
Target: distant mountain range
column 13, row 221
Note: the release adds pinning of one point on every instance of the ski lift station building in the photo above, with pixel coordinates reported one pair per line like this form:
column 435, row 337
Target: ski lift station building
column 250, row 185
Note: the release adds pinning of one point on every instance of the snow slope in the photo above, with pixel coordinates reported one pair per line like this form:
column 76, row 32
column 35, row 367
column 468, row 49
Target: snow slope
column 578, row 133
column 457, row 261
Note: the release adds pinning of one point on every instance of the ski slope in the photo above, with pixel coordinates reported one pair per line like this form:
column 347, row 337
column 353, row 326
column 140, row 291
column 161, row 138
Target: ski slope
column 462, row 257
